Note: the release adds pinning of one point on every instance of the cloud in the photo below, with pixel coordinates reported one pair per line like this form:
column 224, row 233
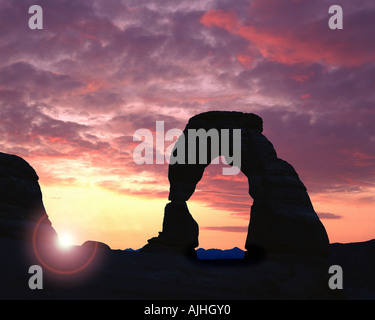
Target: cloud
column 294, row 32
column 328, row 153
column 327, row 215
column 38, row 84
column 79, row 89
column 227, row 228
column 150, row 190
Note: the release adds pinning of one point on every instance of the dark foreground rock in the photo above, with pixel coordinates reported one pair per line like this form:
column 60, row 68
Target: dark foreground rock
column 117, row 274
column 358, row 263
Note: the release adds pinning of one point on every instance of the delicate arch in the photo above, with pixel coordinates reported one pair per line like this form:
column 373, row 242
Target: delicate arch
column 282, row 216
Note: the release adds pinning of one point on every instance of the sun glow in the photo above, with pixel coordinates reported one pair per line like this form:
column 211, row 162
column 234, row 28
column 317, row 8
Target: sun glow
column 65, row 240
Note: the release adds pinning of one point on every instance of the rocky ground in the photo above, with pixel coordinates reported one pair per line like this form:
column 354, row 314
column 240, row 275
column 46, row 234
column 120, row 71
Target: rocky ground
column 117, row 274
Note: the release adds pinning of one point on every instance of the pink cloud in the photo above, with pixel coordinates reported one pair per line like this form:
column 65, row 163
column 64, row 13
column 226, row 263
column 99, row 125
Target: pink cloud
column 227, row 228
column 296, row 41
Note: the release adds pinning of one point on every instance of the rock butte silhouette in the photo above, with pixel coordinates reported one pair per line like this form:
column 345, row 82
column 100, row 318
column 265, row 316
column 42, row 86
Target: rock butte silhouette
column 282, row 220
column 21, row 204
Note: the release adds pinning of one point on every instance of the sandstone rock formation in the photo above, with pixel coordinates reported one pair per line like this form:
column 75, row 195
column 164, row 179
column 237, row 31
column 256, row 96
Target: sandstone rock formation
column 96, row 244
column 282, row 220
column 21, row 205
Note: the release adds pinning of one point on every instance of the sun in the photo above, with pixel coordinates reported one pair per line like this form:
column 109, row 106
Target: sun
column 65, row 240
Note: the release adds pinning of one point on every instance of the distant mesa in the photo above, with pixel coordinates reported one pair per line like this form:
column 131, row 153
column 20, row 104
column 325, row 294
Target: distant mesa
column 282, row 220
column 214, row 254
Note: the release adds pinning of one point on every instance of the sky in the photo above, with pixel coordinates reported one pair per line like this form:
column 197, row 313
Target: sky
column 73, row 94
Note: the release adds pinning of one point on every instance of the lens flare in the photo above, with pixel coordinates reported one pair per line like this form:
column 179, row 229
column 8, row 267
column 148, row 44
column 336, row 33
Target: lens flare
column 46, row 265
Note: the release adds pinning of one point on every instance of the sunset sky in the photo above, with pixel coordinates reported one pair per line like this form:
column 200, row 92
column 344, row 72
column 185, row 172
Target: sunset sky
column 73, row 94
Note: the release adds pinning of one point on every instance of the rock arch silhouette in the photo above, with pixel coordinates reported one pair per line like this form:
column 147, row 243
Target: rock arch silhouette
column 282, row 217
